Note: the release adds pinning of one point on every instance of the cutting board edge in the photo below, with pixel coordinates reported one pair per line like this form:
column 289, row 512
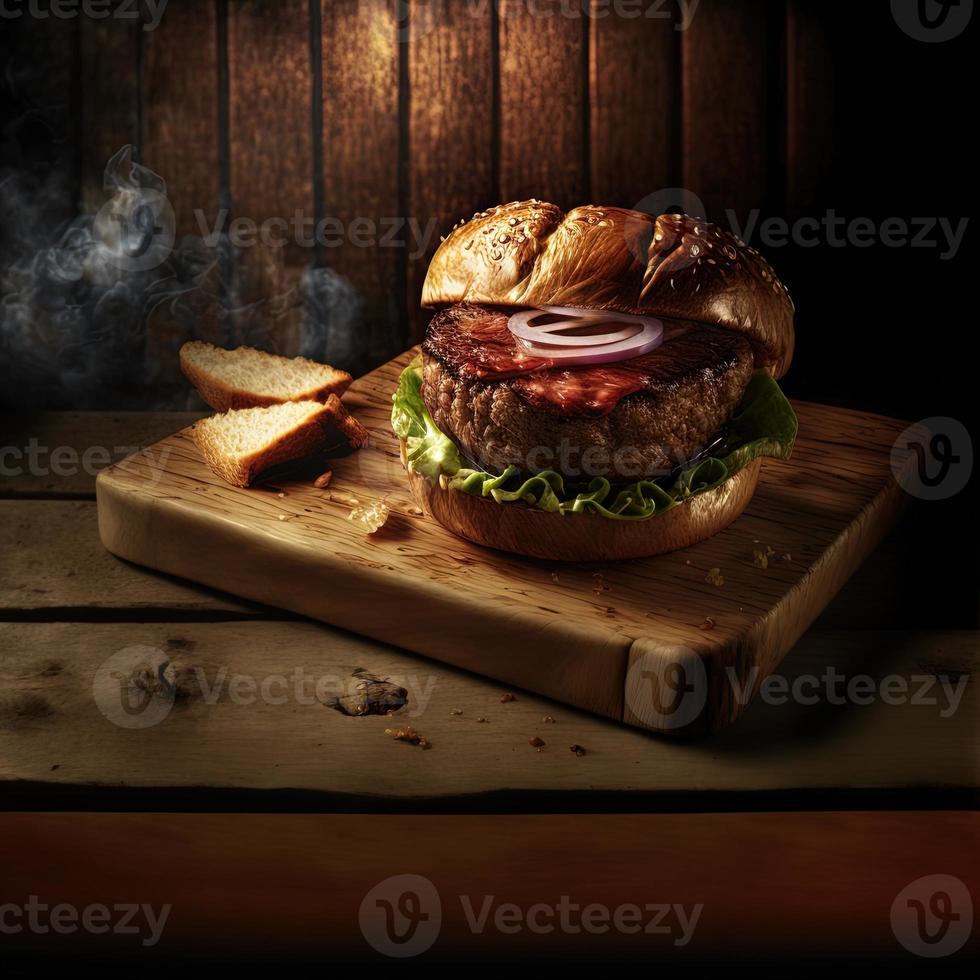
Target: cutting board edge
column 143, row 530
column 764, row 645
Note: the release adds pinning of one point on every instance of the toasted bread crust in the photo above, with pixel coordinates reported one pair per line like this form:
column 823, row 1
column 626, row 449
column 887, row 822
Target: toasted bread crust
column 223, row 396
column 327, row 425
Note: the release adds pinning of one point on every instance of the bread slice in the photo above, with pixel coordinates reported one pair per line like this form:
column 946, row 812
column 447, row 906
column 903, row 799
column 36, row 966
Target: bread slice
column 249, row 378
column 241, row 444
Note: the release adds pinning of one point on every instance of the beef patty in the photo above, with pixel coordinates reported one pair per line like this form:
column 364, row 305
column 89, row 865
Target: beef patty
column 641, row 417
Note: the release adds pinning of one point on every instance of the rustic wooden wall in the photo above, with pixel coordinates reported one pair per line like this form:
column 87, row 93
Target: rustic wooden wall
column 425, row 110
column 373, row 109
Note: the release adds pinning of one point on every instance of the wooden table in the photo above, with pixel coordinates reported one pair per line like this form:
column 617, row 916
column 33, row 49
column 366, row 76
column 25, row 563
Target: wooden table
column 823, row 811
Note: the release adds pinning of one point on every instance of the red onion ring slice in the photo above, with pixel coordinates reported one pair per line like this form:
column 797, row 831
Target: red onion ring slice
column 522, row 325
column 616, row 345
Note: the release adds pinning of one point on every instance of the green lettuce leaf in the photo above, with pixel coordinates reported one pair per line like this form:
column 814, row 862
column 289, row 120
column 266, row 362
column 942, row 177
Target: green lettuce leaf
column 763, row 425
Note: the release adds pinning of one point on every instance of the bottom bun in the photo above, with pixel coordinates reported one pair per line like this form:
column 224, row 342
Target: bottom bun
column 584, row 537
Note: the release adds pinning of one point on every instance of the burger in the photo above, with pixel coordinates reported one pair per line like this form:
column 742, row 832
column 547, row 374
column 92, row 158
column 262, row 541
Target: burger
column 597, row 385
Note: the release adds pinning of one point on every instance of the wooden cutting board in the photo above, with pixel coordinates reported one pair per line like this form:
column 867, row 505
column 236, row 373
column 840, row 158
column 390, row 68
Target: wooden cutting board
column 651, row 643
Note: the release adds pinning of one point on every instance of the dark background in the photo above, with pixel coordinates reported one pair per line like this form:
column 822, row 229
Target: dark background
column 351, row 108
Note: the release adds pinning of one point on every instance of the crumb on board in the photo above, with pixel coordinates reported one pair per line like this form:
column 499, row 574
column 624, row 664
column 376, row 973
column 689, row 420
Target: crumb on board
column 482, row 720
column 323, row 480
column 548, row 720
column 708, row 624
column 283, row 517
column 714, row 577
column 760, row 559
column 371, row 518
column 410, row 735
column 455, row 711
column 787, row 557
column 343, row 498
column 555, row 578
column 281, row 494
column 536, row 741
column 577, row 749
column 507, row 698
column 415, row 511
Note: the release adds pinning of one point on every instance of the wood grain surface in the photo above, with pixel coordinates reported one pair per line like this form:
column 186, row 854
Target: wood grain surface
column 726, row 160
column 807, row 883
column 245, row 715
column 360, row 47
column 634, row 100
column 542, row 63
column 58, row 454
column 54, row 564
column 571, row 632
column 271, row 166
column 451, row 167
column 179, row 115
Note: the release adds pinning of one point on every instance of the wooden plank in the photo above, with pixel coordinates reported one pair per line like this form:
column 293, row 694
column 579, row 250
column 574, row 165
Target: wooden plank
column 59, row 454
column 180, row 112
column 271, row 151
column 726, row 105
column 543, row 151
column 256, row 687
column 634, row 101
column 54, row 562
column 198, row 879
column 361, row 140
column 809, row 106
column 826, row 509
column 181, row 141
column 109, row 82
column 450, row 124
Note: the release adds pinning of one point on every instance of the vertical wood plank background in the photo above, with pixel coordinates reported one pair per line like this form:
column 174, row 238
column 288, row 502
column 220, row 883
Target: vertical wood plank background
column 389, row 121
column 451, row 91
column 270, row 90
column 360, row 70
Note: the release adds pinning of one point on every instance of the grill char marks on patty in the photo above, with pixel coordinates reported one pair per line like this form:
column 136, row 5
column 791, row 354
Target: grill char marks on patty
column 629, row 419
